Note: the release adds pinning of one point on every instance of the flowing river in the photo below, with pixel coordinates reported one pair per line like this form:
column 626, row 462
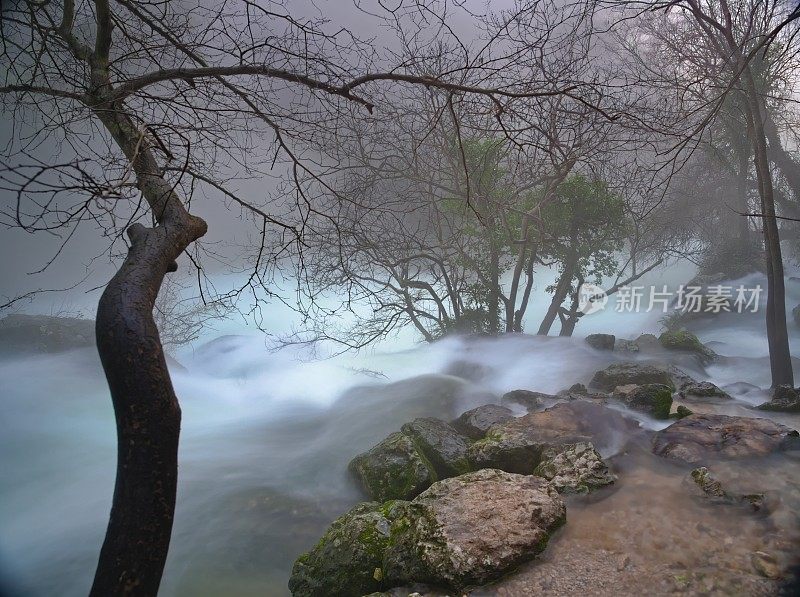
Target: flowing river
column 267, row 437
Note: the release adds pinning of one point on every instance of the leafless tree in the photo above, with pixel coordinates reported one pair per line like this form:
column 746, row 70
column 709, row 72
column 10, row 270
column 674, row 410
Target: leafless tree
column 127, row 114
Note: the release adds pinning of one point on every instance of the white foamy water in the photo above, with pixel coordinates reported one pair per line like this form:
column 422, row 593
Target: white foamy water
column 266, row 440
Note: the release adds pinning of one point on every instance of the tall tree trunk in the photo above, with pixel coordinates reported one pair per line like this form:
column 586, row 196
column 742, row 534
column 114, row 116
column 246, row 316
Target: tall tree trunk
column 145, row 405
column 777, row 333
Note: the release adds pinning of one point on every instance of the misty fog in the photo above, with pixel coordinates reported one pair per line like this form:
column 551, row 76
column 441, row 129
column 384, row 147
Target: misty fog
column 423, row 297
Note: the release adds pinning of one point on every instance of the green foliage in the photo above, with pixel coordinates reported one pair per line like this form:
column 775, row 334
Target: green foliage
column 586, row 224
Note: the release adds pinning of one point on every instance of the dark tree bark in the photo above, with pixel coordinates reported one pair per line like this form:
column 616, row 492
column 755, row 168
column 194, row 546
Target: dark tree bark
column 777, row 332
column 146, row 408
column 561, row 292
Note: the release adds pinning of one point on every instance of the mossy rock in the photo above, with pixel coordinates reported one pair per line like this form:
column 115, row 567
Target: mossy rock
column 653, row 399
column 687, row 341
column 784, row 399
column 393, row 469
column 682, row 411
column 462, row 531
column 622, row 374
column 348, row 560
column 440, row 444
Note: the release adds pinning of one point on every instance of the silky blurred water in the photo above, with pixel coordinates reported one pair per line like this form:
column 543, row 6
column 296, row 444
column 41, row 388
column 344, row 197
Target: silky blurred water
column 266, row 439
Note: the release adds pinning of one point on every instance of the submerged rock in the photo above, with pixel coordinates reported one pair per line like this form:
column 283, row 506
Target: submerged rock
column 784, row 399
column 709, row 487
column 393, row 469
column 472, row 529
column 476, row 422
column 701, row 436
column 469, row 370
column 623, row 374
column 653, row 399
column 701, row 391
column 601, row 341
column 741, row 387
column 462, row 531
column 765, row 564
column 528, row 399
column 574, row 468
column 440, row 444
column 796, row 315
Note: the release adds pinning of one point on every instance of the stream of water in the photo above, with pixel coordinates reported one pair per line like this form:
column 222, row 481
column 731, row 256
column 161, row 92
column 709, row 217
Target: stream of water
column 266, row 440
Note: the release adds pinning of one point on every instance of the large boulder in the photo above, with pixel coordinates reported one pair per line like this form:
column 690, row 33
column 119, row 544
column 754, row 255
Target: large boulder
column 653, row 399
column 393, row 469
column 476, row 422
column 623, row 374
column 574, row 468
column 27, row 334
column 601, row 341
column 517, row 445
column 702, row 391
column 348, row 560
column 440, row 444
column 462, row 531
column 472, row 529
column 784, row 399
column 687, row 342
column 699, row 437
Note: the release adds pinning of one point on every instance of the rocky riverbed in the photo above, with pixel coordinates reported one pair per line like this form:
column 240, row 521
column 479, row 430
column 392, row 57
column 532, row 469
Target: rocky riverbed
column 268, row 439
column 568, row 493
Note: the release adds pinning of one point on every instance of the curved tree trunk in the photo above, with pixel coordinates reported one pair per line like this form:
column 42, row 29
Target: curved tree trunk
column 147, row 412
column 148, row 423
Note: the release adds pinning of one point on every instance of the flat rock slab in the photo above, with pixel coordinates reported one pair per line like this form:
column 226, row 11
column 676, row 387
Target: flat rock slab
column 699, row 437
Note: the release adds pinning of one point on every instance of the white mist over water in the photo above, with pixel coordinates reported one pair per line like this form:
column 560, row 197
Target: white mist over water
column 266, row 440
